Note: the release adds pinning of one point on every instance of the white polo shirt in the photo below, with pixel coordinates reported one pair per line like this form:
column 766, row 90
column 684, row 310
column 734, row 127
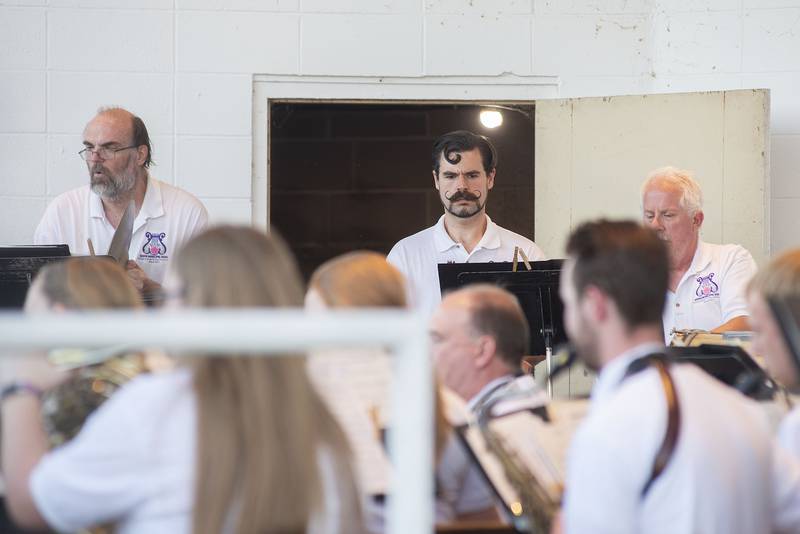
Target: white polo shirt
column 417, row 257
column 712, row 291
column 726, row 475
column 167, row 219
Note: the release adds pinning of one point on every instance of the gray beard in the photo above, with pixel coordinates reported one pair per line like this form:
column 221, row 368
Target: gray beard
column 116, row 187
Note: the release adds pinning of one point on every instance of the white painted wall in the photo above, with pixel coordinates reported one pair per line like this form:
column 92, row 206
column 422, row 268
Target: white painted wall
column 186, row 67
column 592, row 152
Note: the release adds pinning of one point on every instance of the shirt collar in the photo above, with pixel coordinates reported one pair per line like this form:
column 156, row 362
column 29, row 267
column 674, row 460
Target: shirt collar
column 152, row 205
column 701, row 260
column 612, row 374
column 95, row 205
column 487, row 390
column 443, row 241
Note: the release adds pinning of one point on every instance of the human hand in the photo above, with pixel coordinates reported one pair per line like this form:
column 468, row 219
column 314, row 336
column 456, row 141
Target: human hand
column 136, row 275
column 33, row 368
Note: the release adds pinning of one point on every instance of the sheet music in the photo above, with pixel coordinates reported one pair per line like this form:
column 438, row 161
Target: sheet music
column 491, row 466
column 355, row 386
column 539, row 446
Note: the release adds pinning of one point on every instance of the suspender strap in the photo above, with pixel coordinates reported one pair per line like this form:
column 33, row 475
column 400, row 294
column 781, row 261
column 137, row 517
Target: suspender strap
column 659, row 361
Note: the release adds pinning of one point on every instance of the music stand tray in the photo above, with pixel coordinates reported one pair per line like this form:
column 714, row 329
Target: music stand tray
column 536, row 290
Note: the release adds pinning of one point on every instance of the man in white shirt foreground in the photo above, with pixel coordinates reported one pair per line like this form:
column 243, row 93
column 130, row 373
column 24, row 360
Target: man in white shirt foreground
column 464, row 169
column 722, row 474
column 118, row 153
column 706, row 282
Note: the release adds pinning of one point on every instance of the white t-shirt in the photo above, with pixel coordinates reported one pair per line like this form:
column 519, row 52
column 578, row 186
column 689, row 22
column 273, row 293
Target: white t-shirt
column 789, row 432
column 418, row 256
column 168, row 218
column 726, row 475
column 133, row 464
column 712, row 291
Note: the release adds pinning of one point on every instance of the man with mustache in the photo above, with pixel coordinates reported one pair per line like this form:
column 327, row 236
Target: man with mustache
column 464, row 169
column 707, row 283
column 118, row 154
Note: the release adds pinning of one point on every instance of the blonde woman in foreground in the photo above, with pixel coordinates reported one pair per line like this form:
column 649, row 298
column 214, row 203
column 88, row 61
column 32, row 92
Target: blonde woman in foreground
column 225, row 443
column 364, row 279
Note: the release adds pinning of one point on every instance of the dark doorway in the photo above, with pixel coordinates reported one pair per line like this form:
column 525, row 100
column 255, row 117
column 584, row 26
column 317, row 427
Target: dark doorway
column 347, row 176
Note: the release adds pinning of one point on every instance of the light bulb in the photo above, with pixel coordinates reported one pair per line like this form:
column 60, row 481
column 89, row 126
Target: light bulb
column 491, row 118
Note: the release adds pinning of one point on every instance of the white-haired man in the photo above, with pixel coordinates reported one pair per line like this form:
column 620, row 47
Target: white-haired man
column 707, row 282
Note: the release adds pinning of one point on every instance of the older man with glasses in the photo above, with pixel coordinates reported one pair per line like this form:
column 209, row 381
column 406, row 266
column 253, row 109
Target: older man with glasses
column 118, row 155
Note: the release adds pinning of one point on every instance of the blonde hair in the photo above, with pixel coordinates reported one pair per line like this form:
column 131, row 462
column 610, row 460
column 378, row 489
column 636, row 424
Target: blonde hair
column 691, row 194
column 261, row 425
column 780, row 278
column 359, row 279
column 364, row 279
column 88, row 283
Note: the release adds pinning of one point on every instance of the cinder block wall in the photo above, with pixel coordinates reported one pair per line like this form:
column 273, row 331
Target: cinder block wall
column 186, row 65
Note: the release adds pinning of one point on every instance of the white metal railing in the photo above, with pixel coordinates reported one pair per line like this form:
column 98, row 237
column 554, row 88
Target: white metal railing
column 410, row 508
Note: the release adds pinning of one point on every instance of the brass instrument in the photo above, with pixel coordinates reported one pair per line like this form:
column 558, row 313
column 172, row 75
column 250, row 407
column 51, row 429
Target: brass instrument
column 536, row 506
column 695, row 338
column 66, row 407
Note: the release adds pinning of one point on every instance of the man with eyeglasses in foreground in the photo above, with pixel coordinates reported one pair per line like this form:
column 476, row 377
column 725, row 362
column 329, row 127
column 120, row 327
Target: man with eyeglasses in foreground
column 118, row 155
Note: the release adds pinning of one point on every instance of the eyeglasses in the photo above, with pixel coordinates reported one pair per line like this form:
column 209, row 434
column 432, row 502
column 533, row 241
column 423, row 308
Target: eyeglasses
column 102, row 152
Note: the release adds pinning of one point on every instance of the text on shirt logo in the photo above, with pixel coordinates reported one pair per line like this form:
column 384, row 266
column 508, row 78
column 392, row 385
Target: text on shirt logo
column 706, row 287
column 154, row 248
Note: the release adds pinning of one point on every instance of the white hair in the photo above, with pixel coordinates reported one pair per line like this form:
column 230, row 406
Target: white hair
column 691, row 194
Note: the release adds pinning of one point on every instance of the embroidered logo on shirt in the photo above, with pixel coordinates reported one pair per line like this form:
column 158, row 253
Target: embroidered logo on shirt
column 706, row 287
column 154, row 247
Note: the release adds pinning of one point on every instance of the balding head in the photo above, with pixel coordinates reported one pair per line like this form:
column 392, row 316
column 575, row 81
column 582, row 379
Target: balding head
column 478, row 334
column 128, row 125
column 492, row 311
column 496, row 312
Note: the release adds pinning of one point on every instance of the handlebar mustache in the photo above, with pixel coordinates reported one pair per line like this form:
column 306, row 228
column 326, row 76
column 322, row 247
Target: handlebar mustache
column 463, row 195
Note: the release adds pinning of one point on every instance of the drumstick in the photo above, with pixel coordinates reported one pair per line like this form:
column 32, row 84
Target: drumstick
column 91, row 247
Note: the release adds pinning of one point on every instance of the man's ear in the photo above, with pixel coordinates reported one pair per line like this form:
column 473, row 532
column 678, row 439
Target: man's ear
column 141, row 154
column 595, row 304
column 698, row 219
column 435, row 179
column 490, row 179
column 485, row 351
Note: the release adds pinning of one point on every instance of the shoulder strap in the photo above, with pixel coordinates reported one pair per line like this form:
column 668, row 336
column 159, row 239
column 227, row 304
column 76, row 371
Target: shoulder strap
column 659, row 361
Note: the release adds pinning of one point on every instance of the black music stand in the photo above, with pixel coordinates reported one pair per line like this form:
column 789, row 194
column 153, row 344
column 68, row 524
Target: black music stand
column 787, row 313
column 731, row 365
column 18, row 266
column 536, row 290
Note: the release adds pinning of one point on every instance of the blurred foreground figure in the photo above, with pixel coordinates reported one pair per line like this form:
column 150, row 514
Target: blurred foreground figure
column 778, row 280
column 364, row 279
column 225, row 443
column 665, row 447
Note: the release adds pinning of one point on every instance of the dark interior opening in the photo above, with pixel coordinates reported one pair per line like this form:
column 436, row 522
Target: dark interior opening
column 348, row 176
